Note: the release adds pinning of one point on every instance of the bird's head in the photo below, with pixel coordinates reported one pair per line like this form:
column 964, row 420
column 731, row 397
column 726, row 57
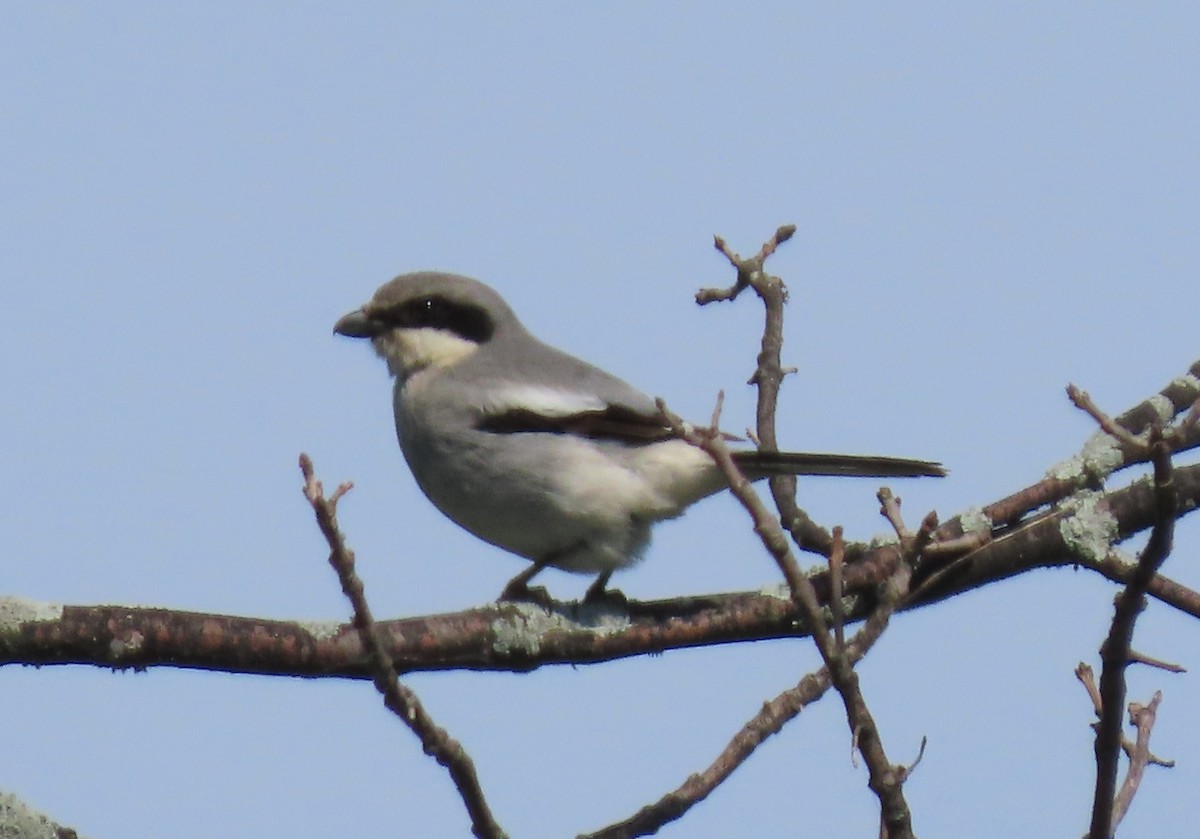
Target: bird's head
column 428, row 320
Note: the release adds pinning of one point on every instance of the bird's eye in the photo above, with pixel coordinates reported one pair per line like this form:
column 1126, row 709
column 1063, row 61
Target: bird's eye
column 433, row 312
column 434, row 309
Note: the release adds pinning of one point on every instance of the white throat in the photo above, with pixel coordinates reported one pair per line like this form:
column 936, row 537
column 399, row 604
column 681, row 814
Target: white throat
column 409, row 351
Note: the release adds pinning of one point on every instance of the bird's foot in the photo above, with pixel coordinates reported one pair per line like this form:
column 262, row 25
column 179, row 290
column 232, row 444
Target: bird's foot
column 518, row 591
column 598, row 594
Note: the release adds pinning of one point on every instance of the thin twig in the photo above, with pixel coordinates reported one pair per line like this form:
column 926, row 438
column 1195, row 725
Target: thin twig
column 889, row 508
column 1181, row 394
column 768, row 377
column 1081, row 400
column 958, row 546
column 906, row 771
column 769, row 720
column 745, row 267
column 913, row 544
column 836, row 607
column 399, row 699
column 1087, row 677
column 1140, row 658
column 1141, row 716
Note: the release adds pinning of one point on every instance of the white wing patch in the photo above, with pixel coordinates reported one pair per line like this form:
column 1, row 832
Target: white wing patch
column 542, row 400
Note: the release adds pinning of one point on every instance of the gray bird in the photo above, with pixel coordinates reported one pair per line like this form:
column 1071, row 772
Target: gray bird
column 536, row 451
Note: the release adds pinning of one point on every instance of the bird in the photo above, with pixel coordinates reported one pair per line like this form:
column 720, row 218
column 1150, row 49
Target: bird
column 536, row 451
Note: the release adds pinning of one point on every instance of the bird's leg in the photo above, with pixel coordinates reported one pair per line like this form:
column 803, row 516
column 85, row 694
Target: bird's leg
column 518, row 587
column 598, row 593
column 596, row 590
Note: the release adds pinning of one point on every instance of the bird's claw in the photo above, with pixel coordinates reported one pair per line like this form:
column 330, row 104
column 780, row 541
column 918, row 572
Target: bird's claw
column 601, row 596
column 518, row 592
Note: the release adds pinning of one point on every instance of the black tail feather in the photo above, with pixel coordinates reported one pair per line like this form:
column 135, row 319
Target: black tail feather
column 764, row 464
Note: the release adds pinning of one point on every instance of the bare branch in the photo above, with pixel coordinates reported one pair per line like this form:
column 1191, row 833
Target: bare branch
column 399, row 699
column 745, row 267
column 770, row 720
column 1141, row 716
column 1081, row 400
column 512, row 638
column 1116, row 648
column 889, row 508
column 1101, row 456
column 1087, row 677
column 768, row 377
column 1138, row 658
column 836, row 606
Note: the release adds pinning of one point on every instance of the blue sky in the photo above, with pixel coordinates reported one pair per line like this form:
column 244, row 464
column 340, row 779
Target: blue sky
column 992, row 200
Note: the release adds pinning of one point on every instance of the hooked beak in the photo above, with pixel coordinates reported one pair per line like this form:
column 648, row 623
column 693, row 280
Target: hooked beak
column 358, row 324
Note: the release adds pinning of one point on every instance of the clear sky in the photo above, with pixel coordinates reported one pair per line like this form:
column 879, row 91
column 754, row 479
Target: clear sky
column 992, row 200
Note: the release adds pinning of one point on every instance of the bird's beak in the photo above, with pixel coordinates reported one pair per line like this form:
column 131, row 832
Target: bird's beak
column 358, row 324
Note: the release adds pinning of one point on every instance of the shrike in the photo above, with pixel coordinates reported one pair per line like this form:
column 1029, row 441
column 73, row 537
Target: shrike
column 536, row 451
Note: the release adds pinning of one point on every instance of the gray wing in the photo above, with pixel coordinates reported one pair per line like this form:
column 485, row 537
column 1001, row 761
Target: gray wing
column 531, row 387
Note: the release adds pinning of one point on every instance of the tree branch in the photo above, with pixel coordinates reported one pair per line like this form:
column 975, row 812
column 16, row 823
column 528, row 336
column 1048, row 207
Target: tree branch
column 399, row 699
column 1115, row 652
column 519, row 637
column 770, row 720
column 884, row 781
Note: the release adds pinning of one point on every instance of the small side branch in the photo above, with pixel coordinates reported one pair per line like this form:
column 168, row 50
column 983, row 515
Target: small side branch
column 770, row 720
column 1103, row 455
column 836, row 607
column 1141, row 717
column 399, row 699
column 768, row 376
column 746, row 268
column 884, row 777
